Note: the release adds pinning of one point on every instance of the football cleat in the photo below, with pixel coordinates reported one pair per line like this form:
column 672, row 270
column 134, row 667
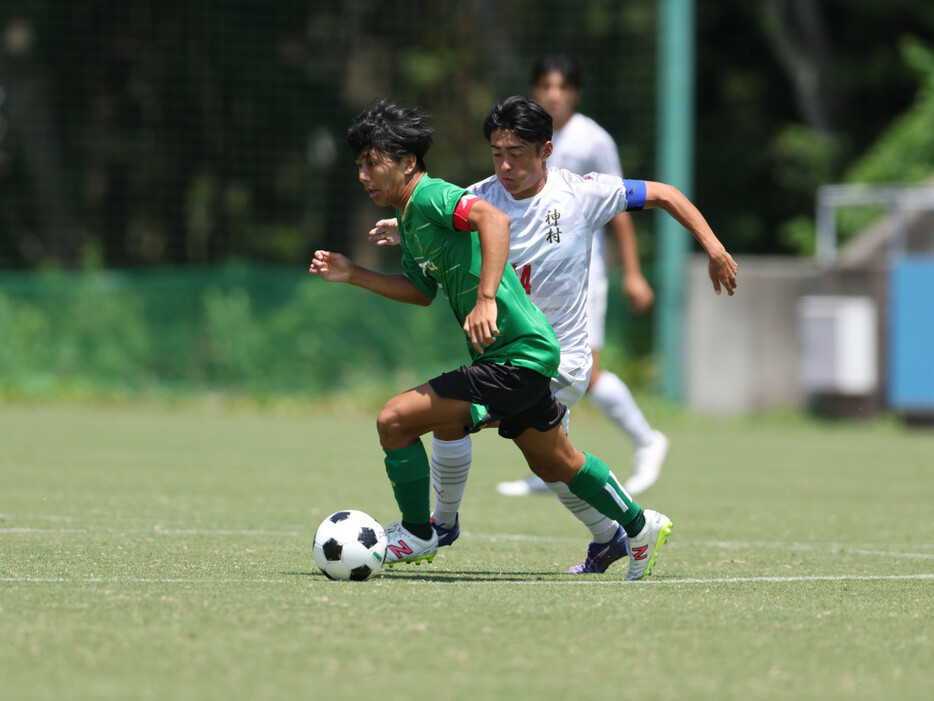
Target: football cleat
column 643, row 548
column 647, row 464
column 446, row 536
column 602, row 555
column 532, row 484
column 402, row 546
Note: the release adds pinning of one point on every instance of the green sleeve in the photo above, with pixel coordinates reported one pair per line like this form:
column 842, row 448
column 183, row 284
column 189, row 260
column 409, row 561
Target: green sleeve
column 413, row 272
column 438, row 203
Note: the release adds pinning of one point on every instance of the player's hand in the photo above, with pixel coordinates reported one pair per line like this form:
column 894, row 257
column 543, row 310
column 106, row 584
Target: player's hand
column 722, row 270
column 385, row 233
column 480, row 324
column 638, row 292
column 332, row 267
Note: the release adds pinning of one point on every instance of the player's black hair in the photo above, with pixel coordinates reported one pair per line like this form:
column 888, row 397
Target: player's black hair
column 393, row 131
column 569, row 69
column 522, row 116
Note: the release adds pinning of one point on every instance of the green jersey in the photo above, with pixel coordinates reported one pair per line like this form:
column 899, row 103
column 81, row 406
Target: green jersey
column 435, row 254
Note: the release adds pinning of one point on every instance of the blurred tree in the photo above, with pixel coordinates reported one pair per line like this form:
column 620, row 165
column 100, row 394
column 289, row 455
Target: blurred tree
column 146, row 133
column 793, row 105
column 50, row 230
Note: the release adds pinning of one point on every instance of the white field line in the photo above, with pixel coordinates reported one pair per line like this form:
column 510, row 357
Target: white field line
column 159, row 530
column 570, row 581
column 135, row 580
column 801, row 578
column 83, row 523
column 163, row 531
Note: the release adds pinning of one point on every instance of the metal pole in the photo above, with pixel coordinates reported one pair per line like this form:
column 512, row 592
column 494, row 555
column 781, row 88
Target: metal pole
column 675, row 167
column 825, row 249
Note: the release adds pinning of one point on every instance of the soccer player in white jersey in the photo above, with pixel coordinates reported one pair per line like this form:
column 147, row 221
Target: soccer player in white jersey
column 553, row 216
column 582, row 146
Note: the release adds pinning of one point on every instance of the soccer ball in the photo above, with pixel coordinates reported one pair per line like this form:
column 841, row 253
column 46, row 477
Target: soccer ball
column 350, row 545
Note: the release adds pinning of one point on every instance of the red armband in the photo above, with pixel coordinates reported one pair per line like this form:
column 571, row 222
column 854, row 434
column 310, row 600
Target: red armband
column 462, row 212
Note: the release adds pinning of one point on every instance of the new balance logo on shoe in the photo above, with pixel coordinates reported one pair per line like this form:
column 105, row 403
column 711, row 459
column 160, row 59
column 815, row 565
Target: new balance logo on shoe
column 402, row 546
column 401, row 549
column 640, row 552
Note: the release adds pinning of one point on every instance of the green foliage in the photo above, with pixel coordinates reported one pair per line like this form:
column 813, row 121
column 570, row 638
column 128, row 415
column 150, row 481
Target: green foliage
column 245, row 330
column 904, row 153
column 799, row 235
column 166, row 134
column 790, row 96
column 237, row 344
column 805, row 159
column 24, row 331
column 92, row 331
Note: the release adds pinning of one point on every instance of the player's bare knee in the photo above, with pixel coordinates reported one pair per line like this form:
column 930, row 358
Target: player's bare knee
column 389, row 422
column 394, row 425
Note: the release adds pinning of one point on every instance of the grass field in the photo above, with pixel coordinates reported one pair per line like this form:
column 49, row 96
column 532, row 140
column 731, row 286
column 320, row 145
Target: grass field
column 154, row 552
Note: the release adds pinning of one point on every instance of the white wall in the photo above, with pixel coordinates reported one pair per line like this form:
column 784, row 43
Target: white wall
column 741, row 352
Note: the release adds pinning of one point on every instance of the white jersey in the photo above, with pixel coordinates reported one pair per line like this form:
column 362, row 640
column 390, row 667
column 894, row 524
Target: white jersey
column 550, row 240
column 583, row 146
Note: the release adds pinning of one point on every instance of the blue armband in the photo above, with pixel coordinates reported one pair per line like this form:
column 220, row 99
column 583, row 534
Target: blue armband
column 635, row 194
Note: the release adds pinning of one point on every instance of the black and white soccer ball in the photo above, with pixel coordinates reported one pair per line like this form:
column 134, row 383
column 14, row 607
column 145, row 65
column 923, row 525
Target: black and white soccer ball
column 350, row 546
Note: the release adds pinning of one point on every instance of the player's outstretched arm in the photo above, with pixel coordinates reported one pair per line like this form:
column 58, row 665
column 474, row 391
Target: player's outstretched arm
column 492, row 227
column 721, row 268
column 335, row 267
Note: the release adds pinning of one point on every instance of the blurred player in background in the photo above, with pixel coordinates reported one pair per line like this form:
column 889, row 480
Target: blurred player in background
column 582, row 146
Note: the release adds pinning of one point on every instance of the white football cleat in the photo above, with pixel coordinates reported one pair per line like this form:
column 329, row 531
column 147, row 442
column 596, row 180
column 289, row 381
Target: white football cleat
column 532, row 484
column 402, row 546
column 647, row 465
column 643, row 548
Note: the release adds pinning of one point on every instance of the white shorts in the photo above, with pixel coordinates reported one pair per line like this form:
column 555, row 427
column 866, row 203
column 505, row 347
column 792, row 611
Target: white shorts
column 596, row 296
column 571, row 383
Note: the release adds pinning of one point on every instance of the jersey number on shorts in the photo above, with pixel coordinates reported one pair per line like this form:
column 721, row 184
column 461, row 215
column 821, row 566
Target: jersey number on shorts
column 525, row 277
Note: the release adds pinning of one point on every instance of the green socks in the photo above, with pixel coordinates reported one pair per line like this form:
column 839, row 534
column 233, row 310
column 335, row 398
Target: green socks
column 598, row 486
column 410, row 476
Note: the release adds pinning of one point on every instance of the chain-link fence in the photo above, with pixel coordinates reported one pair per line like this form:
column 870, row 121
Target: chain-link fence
column 141, row 134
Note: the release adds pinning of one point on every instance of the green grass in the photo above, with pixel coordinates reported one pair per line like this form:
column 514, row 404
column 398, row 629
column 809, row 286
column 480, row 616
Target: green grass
column 154, row 552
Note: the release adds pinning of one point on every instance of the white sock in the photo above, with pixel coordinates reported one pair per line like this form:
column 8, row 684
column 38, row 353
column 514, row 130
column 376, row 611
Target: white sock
column 450, row 464
column 602, row 528
column 613, row 396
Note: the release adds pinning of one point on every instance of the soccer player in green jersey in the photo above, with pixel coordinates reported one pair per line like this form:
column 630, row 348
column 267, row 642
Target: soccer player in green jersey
column 456, row 242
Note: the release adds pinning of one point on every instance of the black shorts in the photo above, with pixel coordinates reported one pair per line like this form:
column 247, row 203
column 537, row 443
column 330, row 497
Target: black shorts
column 517, row 397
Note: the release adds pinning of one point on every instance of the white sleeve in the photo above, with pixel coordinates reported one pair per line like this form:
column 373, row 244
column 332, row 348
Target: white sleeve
column 481, row 189
column 601, row 197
